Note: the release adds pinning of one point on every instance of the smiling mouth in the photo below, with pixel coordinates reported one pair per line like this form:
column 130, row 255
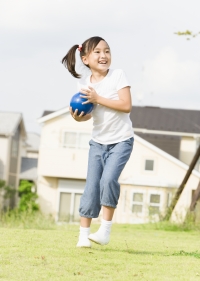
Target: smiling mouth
column 103, row 62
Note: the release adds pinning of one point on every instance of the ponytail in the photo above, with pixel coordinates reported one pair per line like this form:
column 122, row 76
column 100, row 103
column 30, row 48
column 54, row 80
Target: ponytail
column 69, row 61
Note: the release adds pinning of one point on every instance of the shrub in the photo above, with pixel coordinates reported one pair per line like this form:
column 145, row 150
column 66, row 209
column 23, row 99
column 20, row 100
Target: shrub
column 27, row 197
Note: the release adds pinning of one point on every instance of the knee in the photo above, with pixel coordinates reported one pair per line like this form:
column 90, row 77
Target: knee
column 109, row 182
column 110, row 191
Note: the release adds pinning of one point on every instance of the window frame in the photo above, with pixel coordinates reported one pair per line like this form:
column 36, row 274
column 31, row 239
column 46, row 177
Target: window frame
column 72, row 191
column 63, row 188
column 149, row 157
column 78, row 133
column 124, row 201
column 137, row 203
column 146, row 164
column 160, row 204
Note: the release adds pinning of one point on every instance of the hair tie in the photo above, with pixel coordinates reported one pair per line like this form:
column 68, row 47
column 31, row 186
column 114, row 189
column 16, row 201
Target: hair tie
column 80, row 48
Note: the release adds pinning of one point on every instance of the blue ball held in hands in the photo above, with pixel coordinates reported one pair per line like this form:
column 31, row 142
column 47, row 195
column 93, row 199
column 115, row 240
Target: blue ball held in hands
column 76, row 103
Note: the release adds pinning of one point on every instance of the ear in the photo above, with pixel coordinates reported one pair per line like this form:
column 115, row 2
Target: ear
column 85, row 60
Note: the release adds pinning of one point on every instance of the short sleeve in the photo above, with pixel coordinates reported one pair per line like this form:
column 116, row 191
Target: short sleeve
column 122, row 80
column 78, row 86
column 82, row 83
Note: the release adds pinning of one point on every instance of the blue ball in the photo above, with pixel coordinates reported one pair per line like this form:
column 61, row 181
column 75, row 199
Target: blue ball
column 76, row 103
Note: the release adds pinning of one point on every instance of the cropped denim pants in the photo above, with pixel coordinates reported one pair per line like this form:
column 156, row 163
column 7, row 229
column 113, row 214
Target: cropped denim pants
column 105, row 164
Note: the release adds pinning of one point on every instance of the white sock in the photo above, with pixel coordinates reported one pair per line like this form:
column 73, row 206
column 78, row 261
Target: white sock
column 84, row 232
column 105, row 228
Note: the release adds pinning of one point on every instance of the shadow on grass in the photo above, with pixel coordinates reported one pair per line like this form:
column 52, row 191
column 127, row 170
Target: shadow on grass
column 130, row 251
column 189, row 254
column 151, row 253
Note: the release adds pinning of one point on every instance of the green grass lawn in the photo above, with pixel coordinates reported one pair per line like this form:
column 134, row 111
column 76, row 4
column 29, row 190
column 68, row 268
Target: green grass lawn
column 134, row 253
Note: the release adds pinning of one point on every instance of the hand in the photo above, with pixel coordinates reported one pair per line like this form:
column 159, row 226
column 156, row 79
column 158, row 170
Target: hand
column 75, row 114
column 90, row 95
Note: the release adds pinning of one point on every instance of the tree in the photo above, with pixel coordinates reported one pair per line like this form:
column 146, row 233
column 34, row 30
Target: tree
column 27, row 197
column 187, row 33
column 6, row 191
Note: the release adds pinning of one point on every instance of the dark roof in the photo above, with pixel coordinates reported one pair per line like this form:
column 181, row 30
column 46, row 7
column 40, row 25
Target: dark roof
column 166, row 119
column 168, row 143
column 163, row 119
column 47, row 112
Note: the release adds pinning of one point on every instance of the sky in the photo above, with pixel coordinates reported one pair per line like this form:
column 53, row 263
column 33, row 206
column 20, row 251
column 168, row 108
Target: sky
column 163, row 68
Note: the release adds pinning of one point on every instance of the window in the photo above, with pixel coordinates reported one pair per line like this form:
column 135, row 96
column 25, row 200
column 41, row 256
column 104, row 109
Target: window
column 124, row 200
column 149, row 165
column 137, row 203
column 77, row 198
column 64, row 210
column 70, row 139
column 154, row 204
column 76, row 140
column 69, row 206
column 83, row 140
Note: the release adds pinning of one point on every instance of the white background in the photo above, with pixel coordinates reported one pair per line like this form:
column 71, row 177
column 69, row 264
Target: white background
column 163, row 68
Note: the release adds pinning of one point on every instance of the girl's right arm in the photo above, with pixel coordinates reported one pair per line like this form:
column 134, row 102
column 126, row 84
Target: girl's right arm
column 81, row 117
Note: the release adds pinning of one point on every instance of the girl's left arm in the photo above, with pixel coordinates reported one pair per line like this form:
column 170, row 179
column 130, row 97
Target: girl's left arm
column 124, row 103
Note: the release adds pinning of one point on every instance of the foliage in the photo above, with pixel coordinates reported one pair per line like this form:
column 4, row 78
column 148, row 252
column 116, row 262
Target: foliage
column 2, row 183
column 187, row 33
column 26, row 220
column 27, row 197
column 195, row 254
column 8, row 191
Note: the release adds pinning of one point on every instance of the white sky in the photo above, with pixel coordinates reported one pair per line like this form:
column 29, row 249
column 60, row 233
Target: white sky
column 163, row 69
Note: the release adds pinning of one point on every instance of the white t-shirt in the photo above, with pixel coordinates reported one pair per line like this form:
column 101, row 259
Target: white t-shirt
column 109, row 125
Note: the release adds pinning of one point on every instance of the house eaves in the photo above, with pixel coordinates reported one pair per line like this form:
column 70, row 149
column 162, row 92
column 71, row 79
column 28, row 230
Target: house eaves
column 53, row 115
column 165, row 155
column 150, row 183
column 169, row 133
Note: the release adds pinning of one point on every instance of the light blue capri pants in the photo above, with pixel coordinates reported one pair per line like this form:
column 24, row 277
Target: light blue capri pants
column 105, row 164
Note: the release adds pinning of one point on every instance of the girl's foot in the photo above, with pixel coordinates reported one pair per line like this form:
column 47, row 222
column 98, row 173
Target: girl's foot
column 102, row 236
column 84, row 243
column 99, row 238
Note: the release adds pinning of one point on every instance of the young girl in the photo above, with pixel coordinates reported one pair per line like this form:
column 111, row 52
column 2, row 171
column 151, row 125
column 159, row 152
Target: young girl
column 112, row 136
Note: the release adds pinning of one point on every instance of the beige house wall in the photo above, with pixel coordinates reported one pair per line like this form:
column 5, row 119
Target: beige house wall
column 47, row 191
column 124, row 212
column 4, row 157
column 184, row 201
column 32, row 155
column 58, row 162
column 188, row 148
column 166, row 172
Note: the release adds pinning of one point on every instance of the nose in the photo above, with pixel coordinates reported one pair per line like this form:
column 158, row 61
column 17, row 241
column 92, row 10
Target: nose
column 103, row 54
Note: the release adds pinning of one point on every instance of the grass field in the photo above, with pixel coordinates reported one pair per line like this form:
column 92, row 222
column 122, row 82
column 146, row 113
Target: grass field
column 134, row 253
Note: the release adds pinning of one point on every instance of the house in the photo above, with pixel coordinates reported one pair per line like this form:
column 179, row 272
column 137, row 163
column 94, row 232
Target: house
column 12, row 137
column 30, row 148
column 176, row 131
column 29, row 160
column 148, row 181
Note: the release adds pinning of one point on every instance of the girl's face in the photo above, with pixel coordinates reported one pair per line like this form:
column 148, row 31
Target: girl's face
column 98, row 59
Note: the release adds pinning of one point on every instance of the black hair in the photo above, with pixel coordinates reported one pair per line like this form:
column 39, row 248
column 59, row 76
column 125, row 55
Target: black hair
column 69, row 60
